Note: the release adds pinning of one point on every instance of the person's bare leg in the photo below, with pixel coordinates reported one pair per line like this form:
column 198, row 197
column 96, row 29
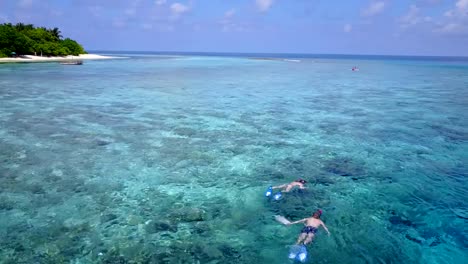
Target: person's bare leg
column 301, row 237
column 309, row 238
column 279, row 186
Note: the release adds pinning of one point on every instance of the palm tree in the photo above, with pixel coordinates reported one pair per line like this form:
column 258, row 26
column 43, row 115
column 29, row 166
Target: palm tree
column 19, row 26
column 22, row 26
column 56, row 33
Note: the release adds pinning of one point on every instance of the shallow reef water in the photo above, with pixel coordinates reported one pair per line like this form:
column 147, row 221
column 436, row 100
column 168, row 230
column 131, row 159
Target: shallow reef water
column 161, row 159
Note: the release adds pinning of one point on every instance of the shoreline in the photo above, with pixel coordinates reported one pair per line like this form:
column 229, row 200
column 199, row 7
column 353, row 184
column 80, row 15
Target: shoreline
column 32, row 58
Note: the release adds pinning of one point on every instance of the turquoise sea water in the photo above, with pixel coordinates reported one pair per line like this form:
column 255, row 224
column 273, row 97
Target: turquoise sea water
column 165, row 159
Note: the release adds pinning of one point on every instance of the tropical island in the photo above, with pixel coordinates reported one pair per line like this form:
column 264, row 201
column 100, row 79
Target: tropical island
column 25, row 39
column 27, row 43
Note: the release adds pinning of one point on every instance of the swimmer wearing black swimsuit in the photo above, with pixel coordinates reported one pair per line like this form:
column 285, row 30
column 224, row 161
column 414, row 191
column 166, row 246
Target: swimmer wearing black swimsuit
column 309, row 229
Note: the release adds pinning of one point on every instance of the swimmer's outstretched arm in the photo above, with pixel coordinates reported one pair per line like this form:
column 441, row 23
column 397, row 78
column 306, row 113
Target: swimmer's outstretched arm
column 298, row 221
column 325, row 227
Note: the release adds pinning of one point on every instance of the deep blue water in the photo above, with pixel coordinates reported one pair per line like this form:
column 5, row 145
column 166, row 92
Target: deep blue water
column 164, row 158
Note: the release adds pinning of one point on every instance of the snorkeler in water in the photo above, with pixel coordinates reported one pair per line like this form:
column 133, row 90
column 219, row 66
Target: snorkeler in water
column 285, row 188
column 289, row 186
column 311, row 225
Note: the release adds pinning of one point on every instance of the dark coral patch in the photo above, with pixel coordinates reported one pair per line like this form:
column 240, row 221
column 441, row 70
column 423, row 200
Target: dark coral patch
column 345, row 167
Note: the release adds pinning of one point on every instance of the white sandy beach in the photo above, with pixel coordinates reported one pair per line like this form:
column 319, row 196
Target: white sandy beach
column 31, row 58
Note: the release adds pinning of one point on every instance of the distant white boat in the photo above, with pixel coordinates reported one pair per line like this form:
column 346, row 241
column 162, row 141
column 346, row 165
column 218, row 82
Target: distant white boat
column 291, row 60
column 78, row 62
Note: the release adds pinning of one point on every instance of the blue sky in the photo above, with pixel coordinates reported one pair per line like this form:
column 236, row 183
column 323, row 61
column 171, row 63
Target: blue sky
column 398, row 27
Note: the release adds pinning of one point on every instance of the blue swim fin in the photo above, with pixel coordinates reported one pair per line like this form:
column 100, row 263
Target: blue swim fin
column 269, row 191
column 277, row 196
column 294, row 251
column 302, row 256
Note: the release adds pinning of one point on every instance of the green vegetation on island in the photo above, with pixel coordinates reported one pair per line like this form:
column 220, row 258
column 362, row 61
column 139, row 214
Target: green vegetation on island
column 25, row 39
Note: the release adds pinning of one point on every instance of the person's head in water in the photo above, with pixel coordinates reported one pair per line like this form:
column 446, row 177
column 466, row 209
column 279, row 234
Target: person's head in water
column 301, row 181
column 317, row 214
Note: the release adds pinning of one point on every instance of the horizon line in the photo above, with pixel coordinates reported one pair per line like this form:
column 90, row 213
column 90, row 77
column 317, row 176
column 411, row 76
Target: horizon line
column 278, row 53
